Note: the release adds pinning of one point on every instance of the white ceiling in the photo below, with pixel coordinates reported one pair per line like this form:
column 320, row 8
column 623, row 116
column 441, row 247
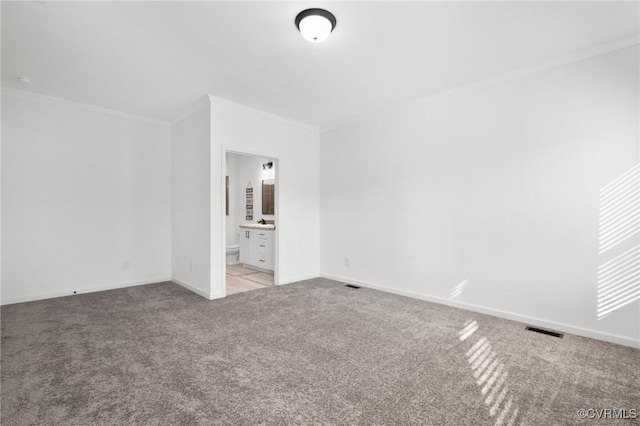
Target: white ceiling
column 156, row 59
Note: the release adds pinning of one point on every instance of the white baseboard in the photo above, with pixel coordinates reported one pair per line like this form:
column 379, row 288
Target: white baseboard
column 256, row 268
column 43, row 296
column 566, row 328
column 217, row 296
column 296, row 279
column 191, row 288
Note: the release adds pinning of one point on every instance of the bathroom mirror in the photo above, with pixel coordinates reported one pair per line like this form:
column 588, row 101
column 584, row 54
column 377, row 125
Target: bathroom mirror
column 268, row 196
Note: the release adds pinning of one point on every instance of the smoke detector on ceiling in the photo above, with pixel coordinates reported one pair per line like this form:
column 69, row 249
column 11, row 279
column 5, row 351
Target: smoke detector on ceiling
column 24, row 79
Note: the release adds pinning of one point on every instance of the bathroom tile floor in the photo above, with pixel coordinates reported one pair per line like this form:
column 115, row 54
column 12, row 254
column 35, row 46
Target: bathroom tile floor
column 240, row 279
column 237, row 270
column 260, row 278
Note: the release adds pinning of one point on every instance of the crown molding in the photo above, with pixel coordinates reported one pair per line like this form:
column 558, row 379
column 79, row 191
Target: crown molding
column 262, row 113
column 578, row 56
column 193, row 109
column 99, row 110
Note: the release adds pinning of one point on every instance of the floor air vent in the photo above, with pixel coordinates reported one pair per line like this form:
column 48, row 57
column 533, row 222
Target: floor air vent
column 547, row 332
column 352, row 286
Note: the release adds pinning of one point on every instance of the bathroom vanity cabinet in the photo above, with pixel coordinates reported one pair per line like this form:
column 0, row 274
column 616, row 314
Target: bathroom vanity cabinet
column 256, row 247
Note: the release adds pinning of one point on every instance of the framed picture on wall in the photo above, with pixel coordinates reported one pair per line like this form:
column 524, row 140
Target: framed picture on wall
column 249, row 202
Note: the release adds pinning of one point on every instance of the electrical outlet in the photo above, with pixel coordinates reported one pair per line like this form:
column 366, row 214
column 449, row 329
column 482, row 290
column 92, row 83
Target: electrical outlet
column 347, row 261
column 126, row 264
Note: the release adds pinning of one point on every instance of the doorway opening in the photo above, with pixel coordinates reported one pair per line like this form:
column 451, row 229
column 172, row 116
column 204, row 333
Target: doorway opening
column 251, row 211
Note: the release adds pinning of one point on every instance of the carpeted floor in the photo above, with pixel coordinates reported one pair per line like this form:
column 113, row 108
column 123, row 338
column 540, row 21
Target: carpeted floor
column 310, row 352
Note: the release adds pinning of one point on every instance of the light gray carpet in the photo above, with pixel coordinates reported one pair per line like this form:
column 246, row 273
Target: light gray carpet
column 310, row 352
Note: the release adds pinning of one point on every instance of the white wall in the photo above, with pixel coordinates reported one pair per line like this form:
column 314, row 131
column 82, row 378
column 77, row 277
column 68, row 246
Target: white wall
column 82, row 193
column 190, row 204
column 498, row 186
column 241, row 129
column 250, row 170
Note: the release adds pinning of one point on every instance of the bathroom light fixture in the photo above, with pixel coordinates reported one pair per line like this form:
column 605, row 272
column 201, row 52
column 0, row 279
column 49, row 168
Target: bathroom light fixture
column 315, row 25
column 268, row 171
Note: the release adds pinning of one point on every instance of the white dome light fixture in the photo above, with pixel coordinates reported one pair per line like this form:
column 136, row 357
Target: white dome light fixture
column 315, row 25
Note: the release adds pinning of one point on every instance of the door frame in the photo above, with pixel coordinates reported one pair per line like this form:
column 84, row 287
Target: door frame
column 276, row 233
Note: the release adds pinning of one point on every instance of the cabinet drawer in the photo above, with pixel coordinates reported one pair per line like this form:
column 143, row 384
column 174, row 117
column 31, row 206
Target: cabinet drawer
column 260, row 246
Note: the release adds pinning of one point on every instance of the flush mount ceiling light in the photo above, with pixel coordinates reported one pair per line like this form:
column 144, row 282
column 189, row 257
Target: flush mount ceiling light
column 315, row 25
column 24, row 79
